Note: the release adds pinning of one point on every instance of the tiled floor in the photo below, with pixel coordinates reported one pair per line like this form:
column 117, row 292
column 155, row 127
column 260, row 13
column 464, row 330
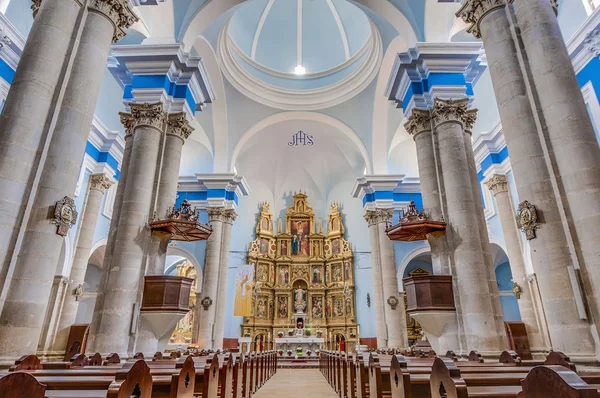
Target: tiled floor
column 296, row 383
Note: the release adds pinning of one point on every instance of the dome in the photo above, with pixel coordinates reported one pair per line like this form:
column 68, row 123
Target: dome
column 320, row 35
column 265, row 43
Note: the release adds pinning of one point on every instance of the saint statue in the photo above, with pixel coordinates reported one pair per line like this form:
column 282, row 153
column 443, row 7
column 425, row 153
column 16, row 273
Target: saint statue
column 299, row 302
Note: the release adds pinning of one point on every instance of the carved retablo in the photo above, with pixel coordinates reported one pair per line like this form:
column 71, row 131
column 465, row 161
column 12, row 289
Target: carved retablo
column 302, row 269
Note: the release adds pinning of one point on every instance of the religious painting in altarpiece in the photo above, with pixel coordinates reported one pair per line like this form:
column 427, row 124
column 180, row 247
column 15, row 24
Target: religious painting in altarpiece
column 299, row 254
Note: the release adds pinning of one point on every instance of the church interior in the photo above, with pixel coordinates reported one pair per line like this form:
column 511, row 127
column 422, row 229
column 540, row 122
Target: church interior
column 351, row 198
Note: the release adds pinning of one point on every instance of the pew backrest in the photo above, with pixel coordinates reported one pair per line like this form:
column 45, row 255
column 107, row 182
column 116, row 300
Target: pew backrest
column 133, row 379
column 21, row 384
column 445, row 380
column 555, row 381
column 183, row 380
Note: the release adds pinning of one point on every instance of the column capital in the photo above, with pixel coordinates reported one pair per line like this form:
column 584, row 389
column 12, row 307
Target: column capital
column 215, row 213
column 384, row 215
column 418, row 122
column 179, row 126
column 371, row 217
column 229, row 216
column 100, row 182
column 449, row 111
column 144, row 114
column 497, row 183
column 118, row 12
column 469, row 119
column 473, row 12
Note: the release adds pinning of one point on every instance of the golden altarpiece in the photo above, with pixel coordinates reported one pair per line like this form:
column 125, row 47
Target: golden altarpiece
column 302, row 257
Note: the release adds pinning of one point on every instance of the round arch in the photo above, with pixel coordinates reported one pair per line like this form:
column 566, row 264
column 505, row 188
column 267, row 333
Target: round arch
column 178, row 251
column 409, row 257
column 312, row 116
column 218, row 106
column 379, row 134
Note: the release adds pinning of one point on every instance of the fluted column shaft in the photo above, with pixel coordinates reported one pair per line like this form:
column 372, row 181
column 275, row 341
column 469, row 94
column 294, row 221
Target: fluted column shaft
column 121, row 291
column 228, row 219
column 533, row 165
column 498, row 184
column 58, row 171
column 395, row 318
column 478, row 310
column 378, row 301
column 98, row 184
column 210, row 284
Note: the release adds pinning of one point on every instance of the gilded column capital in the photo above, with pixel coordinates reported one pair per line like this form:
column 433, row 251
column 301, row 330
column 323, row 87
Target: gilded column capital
column 385, row 215
column 418, row 122
column 229, row 216
column 371, row 217
column 144, row 114
column 215, row 214
column 473, row 12
column 497, row 183
column 118, row 12
column 449, row 111
column 179, row 126
column 100, row 182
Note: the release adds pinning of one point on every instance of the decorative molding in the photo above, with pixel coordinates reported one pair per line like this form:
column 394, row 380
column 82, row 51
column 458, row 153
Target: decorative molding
column 580, row 51
column 109, row 201
column 259, row 28
column 449, row 111
column 291, row 99
column 179, row 126
column 151, row 115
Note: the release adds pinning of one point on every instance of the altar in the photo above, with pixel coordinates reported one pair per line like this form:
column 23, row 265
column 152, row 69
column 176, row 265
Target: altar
column 300, row 342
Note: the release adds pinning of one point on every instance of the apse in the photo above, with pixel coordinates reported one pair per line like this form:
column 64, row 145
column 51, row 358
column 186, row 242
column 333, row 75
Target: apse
column 272, row 159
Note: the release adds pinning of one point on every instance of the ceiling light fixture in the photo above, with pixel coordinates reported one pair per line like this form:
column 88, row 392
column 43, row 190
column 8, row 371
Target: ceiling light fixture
column 299, row 70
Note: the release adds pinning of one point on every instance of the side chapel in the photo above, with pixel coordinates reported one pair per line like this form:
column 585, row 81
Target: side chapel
column 302, row 257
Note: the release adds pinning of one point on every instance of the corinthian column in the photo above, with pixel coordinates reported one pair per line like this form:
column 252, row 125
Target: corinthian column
column 112, row 333
column 229, row 217
column 98, row 184
column 372, row 218
column 538, row 168
column 57, row 170
column 419, row 125
column 498, row 184
column 210, row 285
column 178, row 130
column 395, row 315
column 478, row 312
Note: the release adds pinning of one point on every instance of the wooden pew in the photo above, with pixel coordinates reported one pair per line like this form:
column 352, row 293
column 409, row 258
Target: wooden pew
column 555, row 381
column 20, row 384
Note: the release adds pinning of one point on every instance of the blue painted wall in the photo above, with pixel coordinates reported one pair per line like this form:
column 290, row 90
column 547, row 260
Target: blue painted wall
column 510, row 306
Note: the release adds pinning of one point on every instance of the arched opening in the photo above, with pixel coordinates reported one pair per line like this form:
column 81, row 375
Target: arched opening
column 504, row 278
column 85, row 310
column 181, row 263
column 340, row 343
